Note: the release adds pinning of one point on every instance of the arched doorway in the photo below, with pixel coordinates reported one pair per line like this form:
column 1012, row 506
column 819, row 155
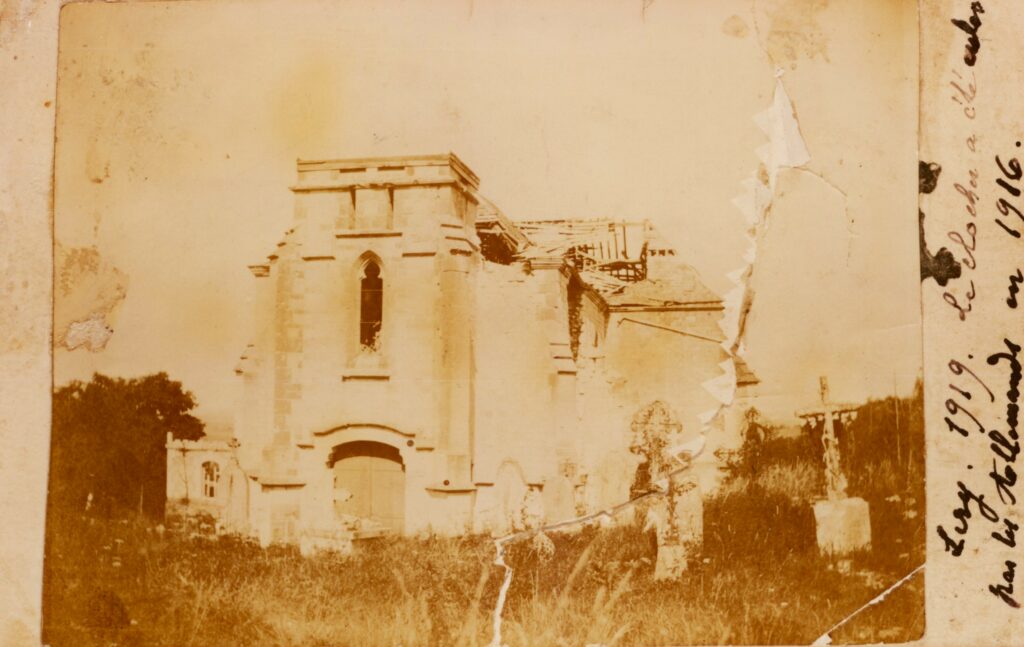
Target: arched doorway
column 369, row 482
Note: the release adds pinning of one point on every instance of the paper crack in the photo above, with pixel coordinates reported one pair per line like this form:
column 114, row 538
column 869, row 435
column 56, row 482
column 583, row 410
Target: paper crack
column 826, row 639
column 684, row 454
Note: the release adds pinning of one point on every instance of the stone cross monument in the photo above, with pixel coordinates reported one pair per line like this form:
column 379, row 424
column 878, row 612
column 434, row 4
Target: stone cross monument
column 843, row 523
column 676, row 517
column 828, row 412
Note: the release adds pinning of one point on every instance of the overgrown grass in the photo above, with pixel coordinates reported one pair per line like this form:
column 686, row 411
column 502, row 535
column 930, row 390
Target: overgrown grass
column 176, row 590
column 758, row 580
column 802, row 482
column 758, row 577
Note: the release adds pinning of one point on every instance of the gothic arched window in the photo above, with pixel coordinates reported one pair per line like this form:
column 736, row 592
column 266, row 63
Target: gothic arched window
column 371, row 306
column 211, row 476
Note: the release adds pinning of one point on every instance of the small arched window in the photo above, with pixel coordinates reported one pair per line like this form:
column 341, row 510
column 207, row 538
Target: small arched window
column 371, row 306
column 211, row 476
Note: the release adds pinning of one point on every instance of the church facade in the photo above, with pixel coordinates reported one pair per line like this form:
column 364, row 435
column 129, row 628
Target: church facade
column 424, row 364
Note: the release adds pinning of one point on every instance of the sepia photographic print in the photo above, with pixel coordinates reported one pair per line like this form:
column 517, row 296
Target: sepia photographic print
column 487, row 323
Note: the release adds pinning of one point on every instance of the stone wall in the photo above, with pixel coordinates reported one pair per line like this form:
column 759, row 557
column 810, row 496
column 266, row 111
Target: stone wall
column 507, row 389
column 414, row 218
column 191, row 490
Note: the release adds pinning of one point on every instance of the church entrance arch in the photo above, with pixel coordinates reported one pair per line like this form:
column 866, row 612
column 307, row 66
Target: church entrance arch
column 369, row 482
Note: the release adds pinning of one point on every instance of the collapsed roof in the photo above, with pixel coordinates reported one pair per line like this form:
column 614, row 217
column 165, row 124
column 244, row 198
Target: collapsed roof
column 612, row 257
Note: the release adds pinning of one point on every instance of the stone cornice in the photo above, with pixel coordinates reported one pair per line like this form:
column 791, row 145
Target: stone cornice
column 367, row 233
column 392, row 163
column 382, row 184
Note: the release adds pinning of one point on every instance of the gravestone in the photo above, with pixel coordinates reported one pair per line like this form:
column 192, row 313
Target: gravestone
column 675, row 510
column 677, row 519
column 842, row 523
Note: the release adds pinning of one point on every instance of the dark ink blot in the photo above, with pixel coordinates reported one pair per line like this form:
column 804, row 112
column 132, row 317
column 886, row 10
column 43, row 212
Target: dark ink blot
column 941, row 266
column 927, row 176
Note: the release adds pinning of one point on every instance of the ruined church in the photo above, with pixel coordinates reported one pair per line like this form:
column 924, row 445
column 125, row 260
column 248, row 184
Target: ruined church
column 423, row 363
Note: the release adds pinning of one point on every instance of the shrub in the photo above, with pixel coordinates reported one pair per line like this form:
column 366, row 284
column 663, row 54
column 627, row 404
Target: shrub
column 755, row 524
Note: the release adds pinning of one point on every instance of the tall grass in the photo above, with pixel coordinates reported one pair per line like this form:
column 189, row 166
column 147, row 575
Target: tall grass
column 758, row 577
column 801, row 482
column 224, row 591
column 747, row 586
column 595, row 587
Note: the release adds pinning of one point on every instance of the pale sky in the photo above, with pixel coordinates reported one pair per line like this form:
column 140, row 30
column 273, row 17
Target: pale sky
column 179, row 125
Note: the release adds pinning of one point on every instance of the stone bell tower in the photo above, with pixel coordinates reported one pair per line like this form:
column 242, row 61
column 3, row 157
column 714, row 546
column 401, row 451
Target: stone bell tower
column 365, row 327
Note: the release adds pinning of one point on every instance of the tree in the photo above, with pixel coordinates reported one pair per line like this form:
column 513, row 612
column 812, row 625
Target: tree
column 107, row 447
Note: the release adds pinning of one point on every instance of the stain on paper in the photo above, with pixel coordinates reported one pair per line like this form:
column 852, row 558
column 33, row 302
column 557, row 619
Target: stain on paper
column 735, row 26
column 792, row 34
column 88, row 290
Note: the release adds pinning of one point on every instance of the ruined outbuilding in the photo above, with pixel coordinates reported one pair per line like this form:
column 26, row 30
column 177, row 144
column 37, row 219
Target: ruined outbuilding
column 425, row 364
